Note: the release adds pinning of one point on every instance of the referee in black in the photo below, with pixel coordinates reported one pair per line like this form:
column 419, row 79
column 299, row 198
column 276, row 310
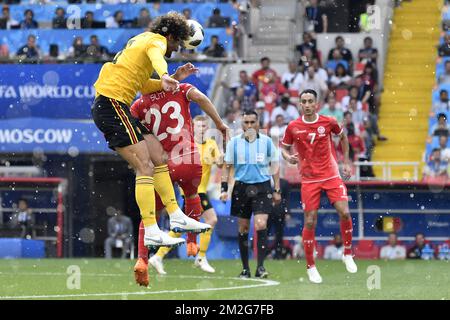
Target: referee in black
column 255, row 159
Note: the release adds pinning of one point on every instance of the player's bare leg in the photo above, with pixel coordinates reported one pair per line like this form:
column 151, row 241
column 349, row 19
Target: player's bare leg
column 308, row 238
column 244, row 227
column 179, row 222
column 261, row 231
column 138, row 158
column 346, row 232
column 210, row 217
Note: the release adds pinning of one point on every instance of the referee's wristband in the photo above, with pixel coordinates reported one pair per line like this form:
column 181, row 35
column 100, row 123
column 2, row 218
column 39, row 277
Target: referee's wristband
column 224, row 187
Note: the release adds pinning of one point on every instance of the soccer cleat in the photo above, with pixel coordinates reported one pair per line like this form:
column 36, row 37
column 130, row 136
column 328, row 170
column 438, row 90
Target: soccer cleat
column 180, row 223
column 157, row 263
column 245, row 274
column 349, row 263
column 141, row 272
column 161, row 239
column 203, row 264
column 314, row 275
column 192, row 249
column 261, row 272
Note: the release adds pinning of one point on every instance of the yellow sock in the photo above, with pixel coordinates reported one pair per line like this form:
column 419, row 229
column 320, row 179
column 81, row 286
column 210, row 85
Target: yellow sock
column 164, row 187
column 165, row 250
column 145, row 198
column 205, row 238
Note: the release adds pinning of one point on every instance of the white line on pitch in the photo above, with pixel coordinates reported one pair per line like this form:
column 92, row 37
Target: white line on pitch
column 263, row 283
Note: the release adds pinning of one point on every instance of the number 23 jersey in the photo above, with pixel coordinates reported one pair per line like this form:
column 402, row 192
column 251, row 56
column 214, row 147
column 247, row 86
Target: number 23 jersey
column 312, row 141
column 166, row 115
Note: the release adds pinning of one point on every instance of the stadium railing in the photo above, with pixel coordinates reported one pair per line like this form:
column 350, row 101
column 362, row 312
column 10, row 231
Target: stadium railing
column 387, row 169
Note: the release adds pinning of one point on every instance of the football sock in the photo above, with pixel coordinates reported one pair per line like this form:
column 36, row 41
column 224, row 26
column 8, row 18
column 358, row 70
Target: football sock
column 243, row 248
column 162, row 251
column 262, row 245
column 164, row 187
column 205, row 238
column 346, row 232
column 193, row 210
column 308, row 245
column 142, row 249
column 145, row 199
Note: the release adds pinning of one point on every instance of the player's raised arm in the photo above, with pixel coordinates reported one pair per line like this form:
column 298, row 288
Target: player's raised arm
column 206, row 105
column 182, row 72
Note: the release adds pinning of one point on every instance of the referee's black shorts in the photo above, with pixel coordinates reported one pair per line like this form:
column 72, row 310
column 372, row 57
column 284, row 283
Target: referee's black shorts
column 114, row 119
column 251, row 198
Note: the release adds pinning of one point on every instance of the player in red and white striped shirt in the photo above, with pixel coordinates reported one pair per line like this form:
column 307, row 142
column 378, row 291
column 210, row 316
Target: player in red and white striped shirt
column 311, row 136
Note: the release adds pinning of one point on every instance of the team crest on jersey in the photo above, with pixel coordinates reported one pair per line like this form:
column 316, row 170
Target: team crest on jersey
column 321, row 130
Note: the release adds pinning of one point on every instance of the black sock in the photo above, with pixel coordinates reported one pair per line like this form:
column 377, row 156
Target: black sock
column 243, row 248
column 262, row 246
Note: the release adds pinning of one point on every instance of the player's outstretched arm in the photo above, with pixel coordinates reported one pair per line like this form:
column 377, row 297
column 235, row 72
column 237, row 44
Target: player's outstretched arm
column 184, row 71
column 206, row 105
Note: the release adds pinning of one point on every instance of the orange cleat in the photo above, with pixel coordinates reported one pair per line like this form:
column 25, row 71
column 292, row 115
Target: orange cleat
column 141, row 273
column 192, row 249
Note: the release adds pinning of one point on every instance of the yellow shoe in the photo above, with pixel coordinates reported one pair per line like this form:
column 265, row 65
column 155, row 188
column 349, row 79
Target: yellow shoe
column 192, row 249
column 141, row 273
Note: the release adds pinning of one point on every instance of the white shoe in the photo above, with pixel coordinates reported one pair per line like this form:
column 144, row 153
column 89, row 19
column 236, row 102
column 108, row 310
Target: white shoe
column 157, row 263
column 349, row 263
column 179, row 222
column 162, row 239
column 314, row 275
column 203, row 264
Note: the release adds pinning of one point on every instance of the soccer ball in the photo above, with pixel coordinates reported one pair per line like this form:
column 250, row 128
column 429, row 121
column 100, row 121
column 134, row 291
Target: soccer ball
column 196, row 35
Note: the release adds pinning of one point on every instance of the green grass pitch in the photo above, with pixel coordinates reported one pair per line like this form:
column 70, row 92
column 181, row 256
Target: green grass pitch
column 113, row 279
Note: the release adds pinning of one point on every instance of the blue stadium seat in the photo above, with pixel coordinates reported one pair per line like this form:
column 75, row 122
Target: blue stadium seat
column 113, row 39
column 200, row 11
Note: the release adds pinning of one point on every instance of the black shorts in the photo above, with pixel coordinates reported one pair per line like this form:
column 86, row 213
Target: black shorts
column 251, row 198
column 206, row 205
column 114, row 119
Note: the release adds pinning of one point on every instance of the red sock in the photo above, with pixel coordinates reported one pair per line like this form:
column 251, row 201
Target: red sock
column 308, row 245
column 193, row 209
column 142, row 250
column 346, row 232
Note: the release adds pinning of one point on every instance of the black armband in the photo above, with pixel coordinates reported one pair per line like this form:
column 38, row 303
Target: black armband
column 224, row 187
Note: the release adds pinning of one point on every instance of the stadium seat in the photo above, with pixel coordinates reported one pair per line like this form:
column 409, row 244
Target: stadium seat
column 340, row 93
column 359, row 69
column 366, row 249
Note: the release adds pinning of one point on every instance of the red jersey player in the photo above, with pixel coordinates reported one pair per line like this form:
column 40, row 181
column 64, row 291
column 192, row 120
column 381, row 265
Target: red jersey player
column 167, row 116
column 311, row 136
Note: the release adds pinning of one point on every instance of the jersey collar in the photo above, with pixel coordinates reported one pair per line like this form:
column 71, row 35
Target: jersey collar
column 310, row 122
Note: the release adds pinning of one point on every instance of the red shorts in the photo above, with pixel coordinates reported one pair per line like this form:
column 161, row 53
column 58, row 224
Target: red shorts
column 335, row 188
column 186, row 175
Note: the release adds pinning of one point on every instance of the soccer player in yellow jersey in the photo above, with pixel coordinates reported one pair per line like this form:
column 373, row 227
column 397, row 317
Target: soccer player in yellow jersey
column 209, row 155
column 117, row 85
